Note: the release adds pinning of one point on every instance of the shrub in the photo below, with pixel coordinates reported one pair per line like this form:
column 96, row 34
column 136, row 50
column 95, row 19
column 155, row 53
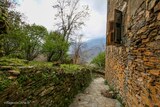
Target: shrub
column 99, row 60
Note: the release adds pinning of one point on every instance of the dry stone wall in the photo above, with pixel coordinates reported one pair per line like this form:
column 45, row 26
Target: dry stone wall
column 133, row 67
column 44, row 87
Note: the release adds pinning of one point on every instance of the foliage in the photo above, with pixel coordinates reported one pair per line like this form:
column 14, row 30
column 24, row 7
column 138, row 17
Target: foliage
column 32, row 40
column 47, row 85
column 55, row 47
column 5, row 61
column 40, row 64
column 11, row 42
column 115, row 94
column 99, row 60
column 26, row 41
column 106, row 82
column 6, row 25
column 22, row 40
column 4, row 81
column 3, row 16
column 70, row 67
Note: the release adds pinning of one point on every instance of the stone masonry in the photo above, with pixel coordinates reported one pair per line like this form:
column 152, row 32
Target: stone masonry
column 133, row 64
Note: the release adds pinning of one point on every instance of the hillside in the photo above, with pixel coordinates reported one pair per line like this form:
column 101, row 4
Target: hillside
column 95, row 46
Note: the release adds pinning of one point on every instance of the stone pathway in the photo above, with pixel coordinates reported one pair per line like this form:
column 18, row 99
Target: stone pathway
column 92, row 96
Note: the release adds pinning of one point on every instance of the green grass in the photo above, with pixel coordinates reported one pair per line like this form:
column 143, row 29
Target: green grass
column 106, row 82
column 115, row 94
column 40, row 64
column 4, row 82
column 69, row 68
column 5, row 61
column 15, row 63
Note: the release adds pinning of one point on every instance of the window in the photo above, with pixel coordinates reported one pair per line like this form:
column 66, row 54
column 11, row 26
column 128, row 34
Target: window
column 115, row 29
column 118, row 26
column 110, row 37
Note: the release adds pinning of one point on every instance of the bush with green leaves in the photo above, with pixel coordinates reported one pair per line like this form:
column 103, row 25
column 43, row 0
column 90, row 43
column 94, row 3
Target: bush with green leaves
column 3, row 16
column 99, row 60
column 55, row 47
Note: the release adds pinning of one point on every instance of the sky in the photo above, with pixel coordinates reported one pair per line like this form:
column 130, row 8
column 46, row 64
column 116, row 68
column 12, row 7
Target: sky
column 41, row 12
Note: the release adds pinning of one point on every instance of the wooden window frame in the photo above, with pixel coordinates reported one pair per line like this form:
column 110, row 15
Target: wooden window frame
column 115, row 29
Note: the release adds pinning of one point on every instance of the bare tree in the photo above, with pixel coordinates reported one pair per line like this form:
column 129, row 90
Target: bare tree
column 77, row 45
column 70, row 16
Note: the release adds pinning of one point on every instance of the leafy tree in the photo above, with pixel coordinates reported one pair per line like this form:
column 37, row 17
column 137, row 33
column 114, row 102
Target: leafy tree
column 11, row 42
column 70, row 16
column 33, row 40
column 99, row 60
column 3, row 16
column 55, row 47
column 3, row 21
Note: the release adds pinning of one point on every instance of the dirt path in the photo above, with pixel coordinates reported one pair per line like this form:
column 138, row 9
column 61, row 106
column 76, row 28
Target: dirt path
column 92, row 96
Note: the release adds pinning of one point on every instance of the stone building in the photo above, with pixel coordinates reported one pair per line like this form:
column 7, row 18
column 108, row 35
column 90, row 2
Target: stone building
column 133, row 51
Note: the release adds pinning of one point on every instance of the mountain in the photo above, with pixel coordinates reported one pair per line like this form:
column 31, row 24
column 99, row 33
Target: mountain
column 94, row 47
column 97, row 42
column 91, row 49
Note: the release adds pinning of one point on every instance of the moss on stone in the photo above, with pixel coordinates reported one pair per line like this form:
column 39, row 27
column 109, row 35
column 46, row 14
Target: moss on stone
column 46, row 85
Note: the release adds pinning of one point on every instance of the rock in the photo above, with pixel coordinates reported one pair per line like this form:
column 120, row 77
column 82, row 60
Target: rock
column 157, row 37
column 154, row 72
column 148, row 53
column 152, row 25
column 39, row 91
column 151, row 4
column 107, row 87
column 157, row 7
column 147, row 15
column 142, row 30
column 140, row 13
column 144, row 36
column 149, row 64
column 106, row 93
column 145, row 40
column 38, row 72
column 6, row 67
column 14, row 72
column 30, row 67
column 25, row 67
column 12, row 77
column 154, row 45
column 140, row 79
column 118, row 104
column 56, row 63
column 158, row 17
column 47, row 91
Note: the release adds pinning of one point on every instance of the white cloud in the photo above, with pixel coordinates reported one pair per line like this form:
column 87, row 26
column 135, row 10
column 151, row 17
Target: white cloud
column 96, row 25
column 42, row 13
column 39, row 12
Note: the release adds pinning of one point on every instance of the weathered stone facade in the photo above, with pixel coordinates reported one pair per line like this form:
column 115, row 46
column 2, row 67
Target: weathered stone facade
column 133, row 65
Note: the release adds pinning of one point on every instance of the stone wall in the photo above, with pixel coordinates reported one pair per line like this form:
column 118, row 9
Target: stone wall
column 133, row 67
column 44, row 87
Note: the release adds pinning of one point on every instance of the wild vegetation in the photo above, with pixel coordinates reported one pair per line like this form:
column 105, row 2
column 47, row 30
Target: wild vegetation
column 29, row 41
column 39, row 83
column 99, row 60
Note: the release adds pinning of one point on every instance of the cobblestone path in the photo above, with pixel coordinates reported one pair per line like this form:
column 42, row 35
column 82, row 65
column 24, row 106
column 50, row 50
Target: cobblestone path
column 92, row 97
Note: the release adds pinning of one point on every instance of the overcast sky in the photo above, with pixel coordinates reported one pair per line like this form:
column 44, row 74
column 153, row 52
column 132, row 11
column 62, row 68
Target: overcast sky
column 42, row 13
